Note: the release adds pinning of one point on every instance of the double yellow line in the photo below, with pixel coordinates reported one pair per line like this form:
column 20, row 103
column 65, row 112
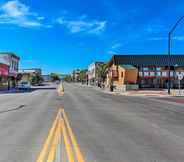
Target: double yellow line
column 60, row 89
column 60, row 128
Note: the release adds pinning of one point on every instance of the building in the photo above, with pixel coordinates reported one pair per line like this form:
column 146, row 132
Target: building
column 93, row 78
column 28, row 73
column 75, row 75
column 4, row 71
column 152, row 70
column 122, row 76
column 12, row 61
column 46, row 78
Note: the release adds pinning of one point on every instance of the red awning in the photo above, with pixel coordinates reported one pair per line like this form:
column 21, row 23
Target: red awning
column 4, row 70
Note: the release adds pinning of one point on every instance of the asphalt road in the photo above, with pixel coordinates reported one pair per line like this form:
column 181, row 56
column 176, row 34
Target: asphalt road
column 108, row 128
column 25, row 119
column 124, row 129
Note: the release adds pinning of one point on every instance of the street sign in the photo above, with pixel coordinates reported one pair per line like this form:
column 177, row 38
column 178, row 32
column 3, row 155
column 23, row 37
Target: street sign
column 180, row 76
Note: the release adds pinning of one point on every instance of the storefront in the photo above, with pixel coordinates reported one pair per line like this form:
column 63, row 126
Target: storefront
column 4, row 69
column 153, row 71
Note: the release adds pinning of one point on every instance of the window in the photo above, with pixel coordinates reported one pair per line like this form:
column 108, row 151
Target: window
column 152, row 73
column 146, row 73
column 145, row 69
column 159, row 74
column 140, row 74
column 122, row 74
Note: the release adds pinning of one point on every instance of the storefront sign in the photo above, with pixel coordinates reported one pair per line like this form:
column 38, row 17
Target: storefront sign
column 3, row 70
column 178, row 92
column 180, row 76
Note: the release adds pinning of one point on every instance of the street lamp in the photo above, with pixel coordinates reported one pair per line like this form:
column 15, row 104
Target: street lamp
column 169, row 52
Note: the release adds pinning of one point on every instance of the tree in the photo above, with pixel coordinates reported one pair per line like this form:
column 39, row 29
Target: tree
column 19, row 77
column 36, row 79
column 102, row 73
column 68, row 78
column 83, row 76
column 54, row 77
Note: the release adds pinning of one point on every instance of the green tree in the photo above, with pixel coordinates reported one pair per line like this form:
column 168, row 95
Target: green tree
column 55, row 77
column 102, row 71
column 36, row 79
column 83, row 76
column 68, row 78
column 19, row 77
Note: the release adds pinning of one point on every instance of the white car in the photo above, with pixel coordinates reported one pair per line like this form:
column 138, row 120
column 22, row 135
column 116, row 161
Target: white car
column 24, row 85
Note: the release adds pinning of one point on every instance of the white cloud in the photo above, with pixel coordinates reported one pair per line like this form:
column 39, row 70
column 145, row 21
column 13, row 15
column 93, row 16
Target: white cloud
column 155, row 28
column 83, row 25
column 112, row 52
column 158, row 38
column 40, row 18
column 17, row 13
column 117, row 45
column 177, row 38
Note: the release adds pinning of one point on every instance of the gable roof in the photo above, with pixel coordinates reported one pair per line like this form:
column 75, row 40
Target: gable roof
column 146, row 60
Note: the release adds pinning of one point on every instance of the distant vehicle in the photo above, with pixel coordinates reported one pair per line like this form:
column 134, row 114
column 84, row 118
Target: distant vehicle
column 57, row 82
column 24, row 85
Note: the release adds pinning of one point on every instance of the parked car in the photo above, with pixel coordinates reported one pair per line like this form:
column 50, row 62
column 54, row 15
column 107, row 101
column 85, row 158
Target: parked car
column 24, row 85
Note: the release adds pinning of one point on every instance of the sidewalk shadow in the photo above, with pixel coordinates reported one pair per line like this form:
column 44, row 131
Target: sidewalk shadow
column 15, row 91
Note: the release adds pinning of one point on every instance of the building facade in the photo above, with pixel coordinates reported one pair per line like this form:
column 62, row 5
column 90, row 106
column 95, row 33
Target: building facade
column 122, row 76
column 75, row 75
column 12, row 61
column 28, row 73
column 4, row 71
column 153, row 70
column 93, row 78
column 46, row 78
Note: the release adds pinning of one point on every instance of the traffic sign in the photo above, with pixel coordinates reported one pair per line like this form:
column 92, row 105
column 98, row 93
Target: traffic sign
column 180, row 76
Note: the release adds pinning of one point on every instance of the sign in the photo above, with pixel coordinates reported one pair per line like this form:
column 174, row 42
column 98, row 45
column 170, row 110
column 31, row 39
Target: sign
column 178, row 92
column 180, row 76
column 4, row 70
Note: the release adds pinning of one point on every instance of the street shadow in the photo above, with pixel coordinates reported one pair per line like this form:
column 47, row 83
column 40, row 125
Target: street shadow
column 43, row 88
column 16, row 91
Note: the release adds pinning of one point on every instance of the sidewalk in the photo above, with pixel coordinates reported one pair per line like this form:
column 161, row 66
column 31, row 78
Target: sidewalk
column 146, row 93
column 9, row 91
column 12, row 91
column 156, row 95
column 178, row 100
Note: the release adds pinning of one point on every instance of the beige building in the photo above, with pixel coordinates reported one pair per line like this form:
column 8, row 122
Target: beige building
column 122, row 77
column 28, row 73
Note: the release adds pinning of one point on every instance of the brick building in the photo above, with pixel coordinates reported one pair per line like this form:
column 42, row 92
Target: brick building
column 152, row 70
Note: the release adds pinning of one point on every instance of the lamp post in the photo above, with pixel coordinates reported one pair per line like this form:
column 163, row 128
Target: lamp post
column 169, row 52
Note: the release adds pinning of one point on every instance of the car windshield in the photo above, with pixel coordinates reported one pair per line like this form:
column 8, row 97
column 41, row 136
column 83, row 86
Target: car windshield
column 24, row 82
column 91, row 80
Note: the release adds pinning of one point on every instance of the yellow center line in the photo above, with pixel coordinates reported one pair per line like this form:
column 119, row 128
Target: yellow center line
column 55, row 143
column 73, row 139
column 61, row 90
column 44, row 151
column 68, row 145
column 60, row 127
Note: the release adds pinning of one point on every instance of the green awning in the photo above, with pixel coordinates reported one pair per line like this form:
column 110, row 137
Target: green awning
column 128, row 67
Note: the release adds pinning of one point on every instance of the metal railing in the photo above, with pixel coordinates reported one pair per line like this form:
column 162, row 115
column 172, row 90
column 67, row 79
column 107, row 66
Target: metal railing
column 61, row 144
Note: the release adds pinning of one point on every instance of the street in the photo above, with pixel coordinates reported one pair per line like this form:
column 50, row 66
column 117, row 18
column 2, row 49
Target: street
column 108, row 128
column 25, row 128
column 124, row 129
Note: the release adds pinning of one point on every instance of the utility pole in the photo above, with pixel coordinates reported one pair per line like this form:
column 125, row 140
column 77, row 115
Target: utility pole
column 169, row 52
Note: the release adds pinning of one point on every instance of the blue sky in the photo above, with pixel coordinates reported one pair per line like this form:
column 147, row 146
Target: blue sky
column 60, row 35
